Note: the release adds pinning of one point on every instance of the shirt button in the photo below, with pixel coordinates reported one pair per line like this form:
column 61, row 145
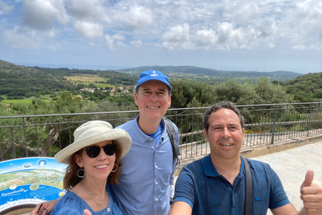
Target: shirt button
column 156, row 183
column 108, row 209
column 150, row 139
column 156, row 199
column 156, row 166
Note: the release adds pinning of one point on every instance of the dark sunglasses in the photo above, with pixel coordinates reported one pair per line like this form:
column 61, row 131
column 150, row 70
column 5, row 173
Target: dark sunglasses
column 94, row 151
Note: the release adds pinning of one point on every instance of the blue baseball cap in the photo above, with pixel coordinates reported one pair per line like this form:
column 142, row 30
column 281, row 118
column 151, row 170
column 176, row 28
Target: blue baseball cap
column 153, row 75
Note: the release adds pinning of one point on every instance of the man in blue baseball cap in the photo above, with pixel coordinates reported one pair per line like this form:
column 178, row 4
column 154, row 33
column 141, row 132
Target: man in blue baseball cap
column 147, row 180
column 146, row 184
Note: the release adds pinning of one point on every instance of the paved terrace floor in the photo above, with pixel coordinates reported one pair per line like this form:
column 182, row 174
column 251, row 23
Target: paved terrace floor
column 291, row 166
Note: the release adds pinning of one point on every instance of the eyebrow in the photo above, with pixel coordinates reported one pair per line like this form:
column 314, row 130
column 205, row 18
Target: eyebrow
column 231, row 124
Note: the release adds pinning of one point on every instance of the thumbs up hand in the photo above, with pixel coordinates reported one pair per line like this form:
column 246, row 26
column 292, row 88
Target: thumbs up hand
column 311, row 195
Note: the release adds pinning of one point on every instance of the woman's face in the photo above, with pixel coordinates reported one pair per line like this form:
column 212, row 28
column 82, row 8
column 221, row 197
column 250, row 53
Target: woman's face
column 99, row 167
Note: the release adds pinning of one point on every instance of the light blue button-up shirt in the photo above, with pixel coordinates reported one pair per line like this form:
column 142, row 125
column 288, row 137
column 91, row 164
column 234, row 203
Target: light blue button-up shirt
column 147, row 173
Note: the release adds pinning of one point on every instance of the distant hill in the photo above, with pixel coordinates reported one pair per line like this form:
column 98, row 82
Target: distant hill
column 23, row 81
column 216, row 75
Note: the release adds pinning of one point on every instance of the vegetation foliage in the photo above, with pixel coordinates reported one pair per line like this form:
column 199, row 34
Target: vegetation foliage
column 48, row 91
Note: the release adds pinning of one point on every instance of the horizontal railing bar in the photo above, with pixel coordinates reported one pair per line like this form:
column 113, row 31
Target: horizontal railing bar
column 136, row 111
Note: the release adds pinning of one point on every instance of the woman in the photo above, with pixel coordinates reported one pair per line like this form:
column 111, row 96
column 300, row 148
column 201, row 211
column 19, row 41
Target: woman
column 93, row 163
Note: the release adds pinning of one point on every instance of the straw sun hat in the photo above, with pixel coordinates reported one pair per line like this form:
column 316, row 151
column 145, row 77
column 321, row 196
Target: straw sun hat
column 93, row 132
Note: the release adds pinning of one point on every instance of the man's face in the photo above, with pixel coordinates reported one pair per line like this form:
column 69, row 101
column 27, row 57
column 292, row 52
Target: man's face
column 225, row 134
column 152, row 99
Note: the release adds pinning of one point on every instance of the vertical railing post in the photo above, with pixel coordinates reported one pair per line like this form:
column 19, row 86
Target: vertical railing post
column 273, row 127
column 309, row 122
column 13, row 143
column 24, row 135
column 59, row 136
column 1, row 152
column 37, row 140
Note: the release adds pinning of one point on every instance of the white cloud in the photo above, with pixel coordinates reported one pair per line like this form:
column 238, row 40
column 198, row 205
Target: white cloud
column 305, row 25
column 136, row 43
column 30, row 39
column 5, row 8
column 109, row 42
column 176, row 35
column 118, row 37
column 135, row 18
column 41, row 14
column 183, row 24
column 205, row 37
column 89, row 30
column 120, row 43
column 91, row 10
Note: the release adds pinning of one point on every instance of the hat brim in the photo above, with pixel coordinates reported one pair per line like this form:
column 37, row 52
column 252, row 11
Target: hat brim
column 121, row 137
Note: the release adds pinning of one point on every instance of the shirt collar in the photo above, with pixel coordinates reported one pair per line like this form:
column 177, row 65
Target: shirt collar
column 143, row 137
column 211, row 171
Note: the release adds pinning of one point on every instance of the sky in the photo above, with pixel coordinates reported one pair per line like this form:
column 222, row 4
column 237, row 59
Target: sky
column 232, row 35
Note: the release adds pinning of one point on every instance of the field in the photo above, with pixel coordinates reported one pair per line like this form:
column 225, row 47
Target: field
column 45, row 98
column 85, row 78
column 23, row 101
column 100, row 85
column 88, row 79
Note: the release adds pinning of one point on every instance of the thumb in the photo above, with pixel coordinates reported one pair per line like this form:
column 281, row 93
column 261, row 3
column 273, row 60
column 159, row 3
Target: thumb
column 308, row 179
column 87, row 212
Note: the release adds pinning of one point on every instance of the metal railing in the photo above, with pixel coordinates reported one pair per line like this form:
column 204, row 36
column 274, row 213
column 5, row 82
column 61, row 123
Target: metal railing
column 45, row 135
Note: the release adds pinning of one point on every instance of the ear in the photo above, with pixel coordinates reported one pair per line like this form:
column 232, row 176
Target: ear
column 169, row 101
column 79, row 160
column 136, row 99
column 205, row 134
column 243, row 133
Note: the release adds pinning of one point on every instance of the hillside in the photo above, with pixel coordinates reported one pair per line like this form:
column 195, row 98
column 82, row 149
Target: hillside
column 215, row 75
column 24, row 81
column 305, row 87
column 21, row 81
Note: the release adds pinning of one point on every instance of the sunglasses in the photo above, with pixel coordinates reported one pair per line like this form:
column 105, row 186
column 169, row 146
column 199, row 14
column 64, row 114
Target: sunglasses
column 94, row 151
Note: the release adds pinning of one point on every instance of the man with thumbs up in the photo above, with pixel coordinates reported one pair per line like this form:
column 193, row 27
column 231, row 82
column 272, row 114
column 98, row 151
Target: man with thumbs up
column 311, row 195
column 215, row 184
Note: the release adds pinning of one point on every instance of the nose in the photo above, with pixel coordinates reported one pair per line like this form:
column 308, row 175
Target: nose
column 102, row 154
column 153, row 97
column 226, row 133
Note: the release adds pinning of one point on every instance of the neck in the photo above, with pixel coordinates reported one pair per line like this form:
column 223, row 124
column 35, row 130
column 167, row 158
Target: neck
column 96, row 188
column 148, row 126
column 229, row 168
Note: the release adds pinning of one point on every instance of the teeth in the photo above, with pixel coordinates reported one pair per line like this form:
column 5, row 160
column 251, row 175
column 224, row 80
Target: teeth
column 226, row 144
column 101, row 166
column 153, row 107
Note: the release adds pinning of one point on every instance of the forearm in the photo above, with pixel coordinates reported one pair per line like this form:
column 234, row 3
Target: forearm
column 48, row 205
column 180, row 208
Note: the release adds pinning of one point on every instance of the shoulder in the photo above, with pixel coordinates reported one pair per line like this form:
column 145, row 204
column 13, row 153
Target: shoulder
column 128, row 125
column 258, row 165
column 69, row 203
column 193, row 169
column 262, row 170
column 69, row 198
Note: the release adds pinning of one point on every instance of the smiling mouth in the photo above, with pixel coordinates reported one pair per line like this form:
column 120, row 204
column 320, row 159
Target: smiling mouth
column 227, row 144
column 153, row 107
column 101, row 166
